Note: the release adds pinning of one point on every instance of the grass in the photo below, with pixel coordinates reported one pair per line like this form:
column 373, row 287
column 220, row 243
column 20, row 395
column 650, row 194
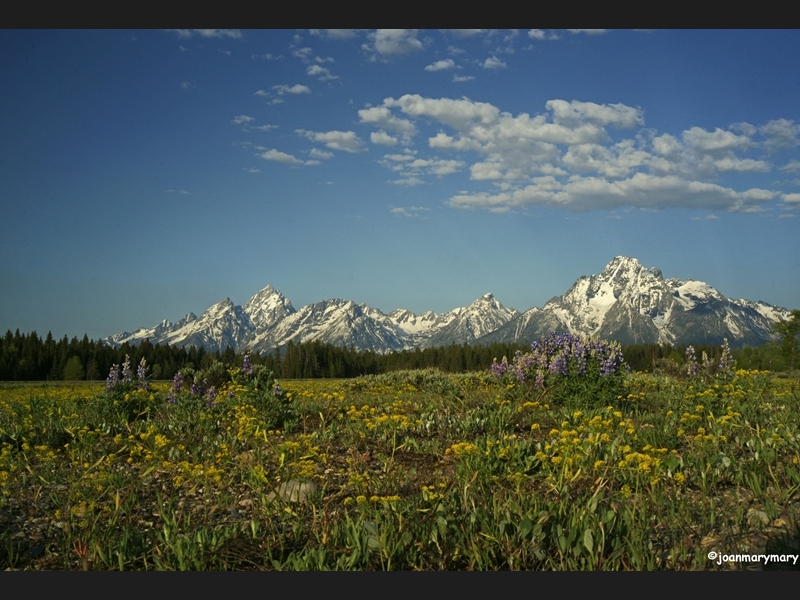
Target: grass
column 411, row 471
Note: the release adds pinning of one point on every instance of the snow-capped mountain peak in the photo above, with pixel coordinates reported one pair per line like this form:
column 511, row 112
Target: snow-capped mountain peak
column 635, row 304
column 268, row 307
column 626, row 301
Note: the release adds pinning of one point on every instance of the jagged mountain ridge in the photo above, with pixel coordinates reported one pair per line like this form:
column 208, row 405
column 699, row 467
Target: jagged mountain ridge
column 636, row 305
column 626, row 301
column 268, row 320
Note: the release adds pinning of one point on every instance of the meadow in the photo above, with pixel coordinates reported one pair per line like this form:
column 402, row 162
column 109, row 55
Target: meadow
column 410, row 470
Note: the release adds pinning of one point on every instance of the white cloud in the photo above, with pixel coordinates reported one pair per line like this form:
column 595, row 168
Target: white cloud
column 265, row 127
column 484, row 126
column 780, row 134
column 459, row 114
column 494, row 63
column 640, row 190
column 787, row 216
column 334, row 34
column 439, row 167
column 282, row 157
column 321, row 154
column 613, row 162
column 383, row 138
column 441, row 65
column 462, row 78
column 408, row 211
column 744, row 129
column 294, row 89
column 541, row 34
column 572, row 113
column 406, row 156
column 303, row 53
column 219, row 33
column 412, row 168
column 793, row 165
column 741, row 165
column 717, row 142
column 346, row 141
column 791, row 199
column 566, row 157
column 409, row 181
column 389, row 42
column 381, row 116
column 705, row 154
column 324, row 73
column 242, row 119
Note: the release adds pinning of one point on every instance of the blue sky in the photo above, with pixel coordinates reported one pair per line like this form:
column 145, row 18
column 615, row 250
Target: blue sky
column 146, row 174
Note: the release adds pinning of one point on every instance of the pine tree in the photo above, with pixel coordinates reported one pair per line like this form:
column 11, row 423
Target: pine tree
column 73, row 370
column 788, row 331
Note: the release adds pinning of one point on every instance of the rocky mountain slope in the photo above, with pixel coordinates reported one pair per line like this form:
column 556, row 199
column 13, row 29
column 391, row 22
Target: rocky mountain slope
column 627, row 302
column 636, row 305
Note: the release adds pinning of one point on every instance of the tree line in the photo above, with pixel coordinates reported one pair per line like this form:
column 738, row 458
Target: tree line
column 28, row 357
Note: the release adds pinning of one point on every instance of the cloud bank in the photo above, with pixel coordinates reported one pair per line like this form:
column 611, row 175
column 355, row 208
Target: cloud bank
column 579, row 155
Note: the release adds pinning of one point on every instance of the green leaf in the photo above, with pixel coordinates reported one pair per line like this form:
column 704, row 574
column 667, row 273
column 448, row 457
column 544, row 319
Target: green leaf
column 406, row 538
column 588, row 540
column 525, row 527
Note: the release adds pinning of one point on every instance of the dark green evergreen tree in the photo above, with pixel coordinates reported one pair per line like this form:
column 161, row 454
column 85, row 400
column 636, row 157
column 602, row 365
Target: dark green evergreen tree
column 788, row 330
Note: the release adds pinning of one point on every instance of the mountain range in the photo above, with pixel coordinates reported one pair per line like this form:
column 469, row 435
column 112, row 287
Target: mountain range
column 626, row 302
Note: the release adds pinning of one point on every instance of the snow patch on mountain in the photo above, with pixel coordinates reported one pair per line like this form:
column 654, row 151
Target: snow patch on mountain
column 626, row 301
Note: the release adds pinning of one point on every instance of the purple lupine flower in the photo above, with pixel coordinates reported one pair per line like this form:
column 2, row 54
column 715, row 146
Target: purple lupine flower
column 278, row 389
column 556, row 354
column 247, row 366
column 559, row 365
column 608, row 366
column 127, row 374
column 141, row 375
column 197, row 389
column 580, row 353
column 113, row 378
column 211, row 397
column 500, row 369
column 177, row 384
